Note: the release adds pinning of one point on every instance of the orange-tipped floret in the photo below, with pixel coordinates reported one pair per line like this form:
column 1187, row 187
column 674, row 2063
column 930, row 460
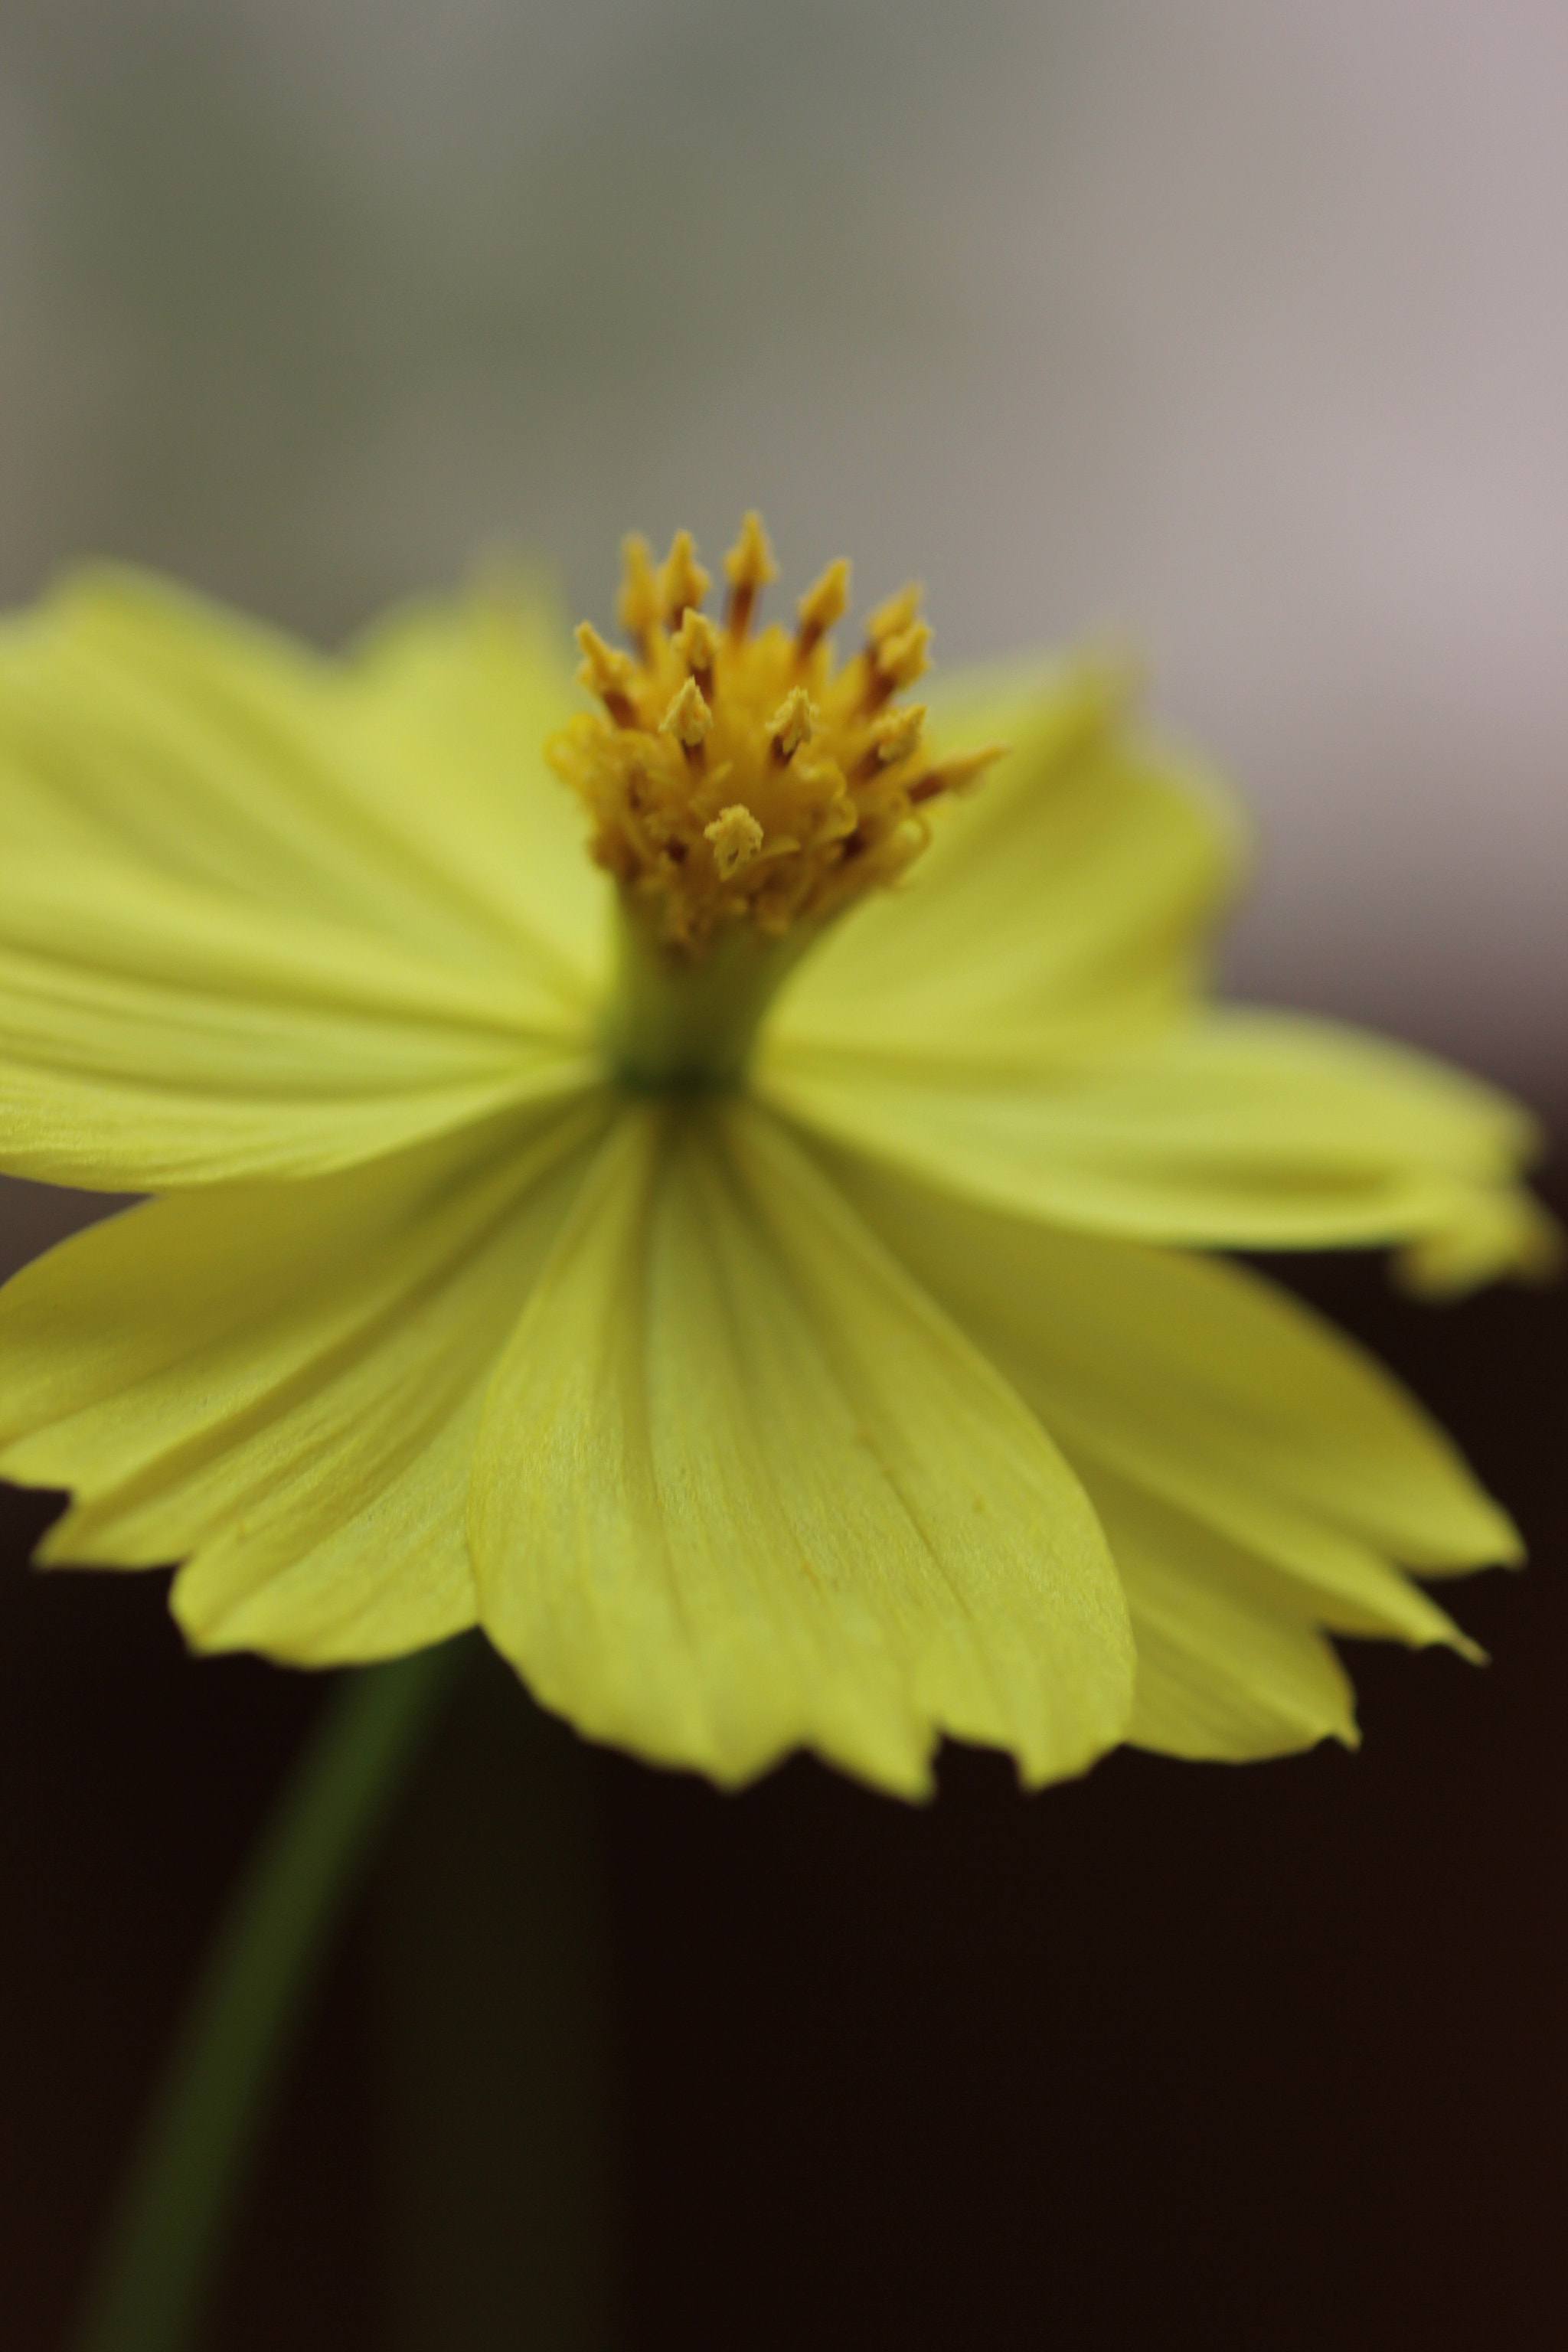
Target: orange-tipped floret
column 608, row 673
column 689, row 718
column 696, row 642
column 639, row 608
column 791, row 724
column 738, row 775
column 682, row 579
column 748, row 568
column 821, row 608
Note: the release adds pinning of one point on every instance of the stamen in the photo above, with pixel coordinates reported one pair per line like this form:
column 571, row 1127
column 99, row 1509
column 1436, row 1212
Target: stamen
column 640, row 607
column 696, row 642
column 681, row 580
column 893, row 737
column 737, row 839
column 688, row 720
column 892, row 618
column 823, row 604
column 791, row 724
column 609, row 674
column 748, row 567
column 957, row 773
column 895, row 663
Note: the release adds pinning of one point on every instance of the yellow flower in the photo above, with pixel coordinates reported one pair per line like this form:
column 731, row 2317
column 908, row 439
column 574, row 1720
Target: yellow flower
column 838, row 1378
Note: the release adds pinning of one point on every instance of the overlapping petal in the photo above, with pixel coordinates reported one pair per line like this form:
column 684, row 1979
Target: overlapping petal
column 741, row 1487
column 1250, row 1129
column 1497, row 1231
column 281, row 1384
column 1231, row 1664
column 250, row 920
column 450, row 704
column 1265, row 1456
column 152, row 1035
column 402, row 790
column 1069, row 900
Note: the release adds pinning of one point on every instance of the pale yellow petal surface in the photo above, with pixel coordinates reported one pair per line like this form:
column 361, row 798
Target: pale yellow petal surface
column 152, row 1035
column 281, row 1385
column 139, row 723
column 452, row 703
column 1070, row 895
column 1215, row 1392
column 1499, row 1232
column 1248, row 1129
column 220, row 954
column 1228, row 1669
column 741, row 1488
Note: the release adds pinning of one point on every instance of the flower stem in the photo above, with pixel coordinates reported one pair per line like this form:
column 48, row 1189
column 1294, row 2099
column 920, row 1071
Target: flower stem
column 163, row 2249
column 675, row 1021
column 487, row 1951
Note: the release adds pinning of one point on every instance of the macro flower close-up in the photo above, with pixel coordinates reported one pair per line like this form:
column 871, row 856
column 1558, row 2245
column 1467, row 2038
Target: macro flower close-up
column 713, row 1172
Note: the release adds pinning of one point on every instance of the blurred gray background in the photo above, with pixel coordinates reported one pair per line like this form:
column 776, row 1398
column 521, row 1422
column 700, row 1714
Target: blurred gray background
column 1240, row 329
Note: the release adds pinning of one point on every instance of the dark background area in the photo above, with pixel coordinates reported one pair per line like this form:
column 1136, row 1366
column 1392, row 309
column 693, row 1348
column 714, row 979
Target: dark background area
column 1174, row 2056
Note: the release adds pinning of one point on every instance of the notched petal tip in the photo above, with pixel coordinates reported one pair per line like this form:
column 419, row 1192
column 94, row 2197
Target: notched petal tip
column 771, row 1499
column 1501, row 1235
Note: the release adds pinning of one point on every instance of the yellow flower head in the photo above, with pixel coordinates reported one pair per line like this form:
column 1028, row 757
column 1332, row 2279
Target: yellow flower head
column 649, row 1177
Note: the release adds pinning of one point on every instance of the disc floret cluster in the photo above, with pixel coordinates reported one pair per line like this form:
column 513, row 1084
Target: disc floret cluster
column 738, row 774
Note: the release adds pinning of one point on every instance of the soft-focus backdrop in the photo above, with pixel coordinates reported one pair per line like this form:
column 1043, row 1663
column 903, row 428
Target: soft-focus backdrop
column 1240, row 327
column 1238, row 330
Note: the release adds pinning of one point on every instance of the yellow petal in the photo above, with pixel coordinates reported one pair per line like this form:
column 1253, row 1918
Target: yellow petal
column 281, row 1385
column 1072, row 891
column 249, row 921
column 1225, row 1672
column 1246, row 1129
column 140, row 724
column 458, row 698
column 152, row 1034
column 1501, row 1231
column 1215, row 1392
column 741, row 1488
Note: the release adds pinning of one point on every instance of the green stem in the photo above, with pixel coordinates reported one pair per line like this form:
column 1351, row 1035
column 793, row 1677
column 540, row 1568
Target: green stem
column 177, row 2208
column 674, row 1020
column 488, row 1965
